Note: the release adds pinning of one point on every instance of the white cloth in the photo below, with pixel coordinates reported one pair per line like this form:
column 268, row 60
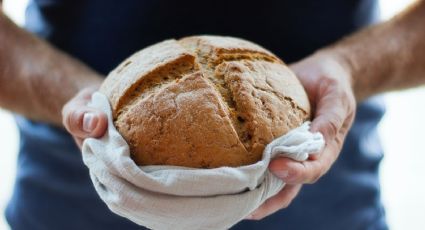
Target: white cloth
column 170, row 197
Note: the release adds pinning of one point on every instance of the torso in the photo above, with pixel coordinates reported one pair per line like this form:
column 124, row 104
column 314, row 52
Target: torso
column 53, row 185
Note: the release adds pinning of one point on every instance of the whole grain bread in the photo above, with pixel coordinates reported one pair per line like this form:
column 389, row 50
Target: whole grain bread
column 203, row 102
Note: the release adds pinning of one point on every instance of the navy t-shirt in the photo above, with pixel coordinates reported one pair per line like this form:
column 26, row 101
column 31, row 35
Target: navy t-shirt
column 53, row 189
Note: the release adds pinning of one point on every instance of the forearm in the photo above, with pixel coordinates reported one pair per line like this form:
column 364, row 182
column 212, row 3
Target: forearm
column 387, row 56
column 36, row 80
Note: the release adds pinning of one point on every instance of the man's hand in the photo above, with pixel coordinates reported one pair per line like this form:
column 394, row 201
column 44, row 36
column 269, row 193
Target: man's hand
column 81, row 120
column 327, row 81
column 383, row 57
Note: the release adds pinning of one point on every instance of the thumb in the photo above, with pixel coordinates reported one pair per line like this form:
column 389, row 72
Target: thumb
column 85, row 122
column 81, row 120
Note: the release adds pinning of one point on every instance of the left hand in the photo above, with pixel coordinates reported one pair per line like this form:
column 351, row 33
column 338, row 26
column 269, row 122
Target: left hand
column 327, row 81
column 81, row 120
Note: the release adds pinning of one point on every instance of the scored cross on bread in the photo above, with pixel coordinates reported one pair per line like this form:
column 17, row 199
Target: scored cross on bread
column 204, row 102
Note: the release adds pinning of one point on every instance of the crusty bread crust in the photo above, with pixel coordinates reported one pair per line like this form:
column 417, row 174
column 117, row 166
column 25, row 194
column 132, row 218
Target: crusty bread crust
column 204, row 102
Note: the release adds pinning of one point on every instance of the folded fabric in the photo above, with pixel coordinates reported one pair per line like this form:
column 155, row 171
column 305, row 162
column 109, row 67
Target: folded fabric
column 171, row 197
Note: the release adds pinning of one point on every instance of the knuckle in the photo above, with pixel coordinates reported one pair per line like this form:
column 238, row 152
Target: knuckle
column 286, row 203
column 314, row 179
column 295, row 175
column 346, row 97
column 327, row 85
column 328, row 81
column 332, row 127
column 316, row 176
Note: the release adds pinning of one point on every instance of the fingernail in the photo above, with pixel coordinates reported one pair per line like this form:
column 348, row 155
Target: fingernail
column 89, row 122
column 282, row 174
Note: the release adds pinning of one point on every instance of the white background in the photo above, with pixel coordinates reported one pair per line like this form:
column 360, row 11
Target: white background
column 402, row 128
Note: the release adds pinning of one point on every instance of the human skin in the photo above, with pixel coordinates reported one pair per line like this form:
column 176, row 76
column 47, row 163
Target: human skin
column 388, row 56
column 39, row 82
column 36, row 79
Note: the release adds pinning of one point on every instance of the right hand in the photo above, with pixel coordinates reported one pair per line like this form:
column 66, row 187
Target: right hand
column 81, row 120
column 327, row 81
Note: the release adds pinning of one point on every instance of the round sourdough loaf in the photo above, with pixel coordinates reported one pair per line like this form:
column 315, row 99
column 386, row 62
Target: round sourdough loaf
column 203, row 102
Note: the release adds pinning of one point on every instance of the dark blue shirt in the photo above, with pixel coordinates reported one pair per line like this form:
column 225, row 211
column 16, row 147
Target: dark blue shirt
column 53, row 189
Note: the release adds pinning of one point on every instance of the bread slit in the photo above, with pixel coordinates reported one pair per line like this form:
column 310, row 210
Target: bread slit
column 204, row 102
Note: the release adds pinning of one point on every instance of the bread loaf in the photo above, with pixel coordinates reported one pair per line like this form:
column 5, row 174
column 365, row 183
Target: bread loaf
column 203, row 102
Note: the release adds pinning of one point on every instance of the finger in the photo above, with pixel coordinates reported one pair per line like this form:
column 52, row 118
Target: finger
column 83, row 122
column 335, row 104
column 329, row 116
column 295, row 172
column 306, row 172
column 275, row 203
column 333, row 121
